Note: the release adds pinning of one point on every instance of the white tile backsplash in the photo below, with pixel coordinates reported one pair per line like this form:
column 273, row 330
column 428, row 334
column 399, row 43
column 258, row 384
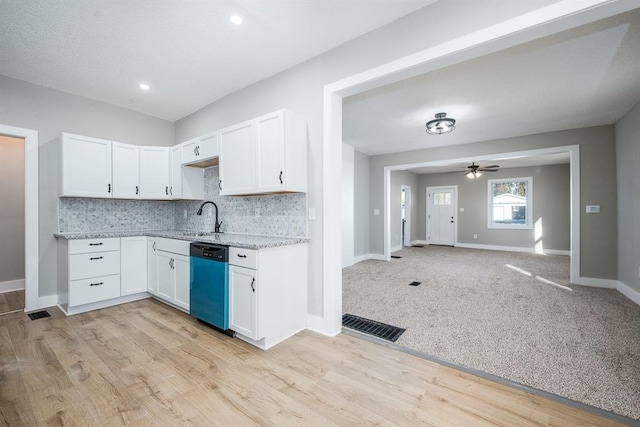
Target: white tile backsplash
column 280, row 215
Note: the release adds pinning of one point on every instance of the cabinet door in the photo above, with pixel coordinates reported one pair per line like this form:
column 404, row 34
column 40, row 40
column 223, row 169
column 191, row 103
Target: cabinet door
column 175, row 189
column 154, row 173
column 208, row 145
column 152, row 266
column 182, row 285
column 243, row 297
column 86, row 166
column 189, row 151
column 270, row 146
column 237, row 159
column 165, row 275
column 126, row 171
column 133, row 265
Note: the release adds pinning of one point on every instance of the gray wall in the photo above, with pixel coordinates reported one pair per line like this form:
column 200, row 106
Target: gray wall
column 598, row 233
column 51, row 112
column 362, row 213
column 11, row 208
column 628, row 160
column 398, row 179
column 301, row 87
column 551, row 202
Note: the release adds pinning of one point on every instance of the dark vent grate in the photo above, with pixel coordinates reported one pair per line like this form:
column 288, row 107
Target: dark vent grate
column 395, row 257
column 414, row 283
column 39, row 315
column 417, row 246
column 371, row 327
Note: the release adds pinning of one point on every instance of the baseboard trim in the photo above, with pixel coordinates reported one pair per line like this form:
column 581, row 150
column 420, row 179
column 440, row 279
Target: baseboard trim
column 104, row 304
column 596, row 283
column 317, row 324
column 511, row 248
column 366, row 257
column 396, row 248
column 11, row 285
column 628, row 292
column 46, row 302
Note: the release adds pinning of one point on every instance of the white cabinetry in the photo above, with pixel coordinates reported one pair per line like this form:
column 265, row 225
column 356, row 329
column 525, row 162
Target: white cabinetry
column 170, row 279
column 125, row 170
column 176, row 173
column 133, row 261
column 97, row 273
column 187, row 183
column 265, row 155
column 201, row 151
column 155, row 178
column 85, row 166
column 268, row 293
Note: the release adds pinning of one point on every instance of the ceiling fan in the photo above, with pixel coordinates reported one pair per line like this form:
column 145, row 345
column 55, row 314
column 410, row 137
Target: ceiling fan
column 474, row 171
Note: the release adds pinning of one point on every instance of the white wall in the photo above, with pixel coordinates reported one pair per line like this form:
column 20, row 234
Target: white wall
column 362, row 209
column 51, row 112
column 628, row 162
column 347, row 204
column 398, row 179
column 11, row 209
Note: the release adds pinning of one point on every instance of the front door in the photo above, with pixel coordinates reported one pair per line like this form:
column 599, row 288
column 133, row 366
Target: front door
column 441, row 205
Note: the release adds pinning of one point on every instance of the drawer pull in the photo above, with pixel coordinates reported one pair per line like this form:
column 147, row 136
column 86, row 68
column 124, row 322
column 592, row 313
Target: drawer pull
column 95, row 244
column 241, row 256
column 95, row 258
column 96, row 284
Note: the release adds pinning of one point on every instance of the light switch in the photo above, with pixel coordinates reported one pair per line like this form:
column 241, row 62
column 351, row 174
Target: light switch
column 376, row 211
column 593, row 209
column 461, row 209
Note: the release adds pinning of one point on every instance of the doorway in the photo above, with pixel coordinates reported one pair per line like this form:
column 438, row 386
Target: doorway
column 405, row 211
column 12, row 224
column 441, row 218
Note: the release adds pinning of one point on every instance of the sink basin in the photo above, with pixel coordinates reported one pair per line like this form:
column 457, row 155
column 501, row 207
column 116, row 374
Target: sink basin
column 199, row 233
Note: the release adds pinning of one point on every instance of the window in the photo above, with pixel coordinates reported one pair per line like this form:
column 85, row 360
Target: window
column 442, row 198
column 510, row 203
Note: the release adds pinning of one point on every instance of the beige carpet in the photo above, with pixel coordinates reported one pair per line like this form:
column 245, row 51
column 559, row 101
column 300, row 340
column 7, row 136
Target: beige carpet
column 471, row 309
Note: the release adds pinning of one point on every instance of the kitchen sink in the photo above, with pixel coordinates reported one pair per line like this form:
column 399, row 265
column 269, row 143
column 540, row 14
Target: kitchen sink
column 199, row 233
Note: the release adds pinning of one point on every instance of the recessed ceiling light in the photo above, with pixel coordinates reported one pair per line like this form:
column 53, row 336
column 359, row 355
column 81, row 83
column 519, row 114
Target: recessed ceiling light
column 235, row 19
column 144, row 86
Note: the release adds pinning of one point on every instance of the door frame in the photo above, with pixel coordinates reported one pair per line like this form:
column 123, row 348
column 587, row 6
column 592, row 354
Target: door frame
column 545, row 21
column 32, row 300
column 455, row 211
column 407, row 210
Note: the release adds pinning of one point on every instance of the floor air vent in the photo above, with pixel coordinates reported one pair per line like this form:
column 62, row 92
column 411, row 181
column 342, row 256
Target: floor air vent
column 417, row 246
column 371, row 327
column 395, row 257
column 39, row 315
column 414, row 283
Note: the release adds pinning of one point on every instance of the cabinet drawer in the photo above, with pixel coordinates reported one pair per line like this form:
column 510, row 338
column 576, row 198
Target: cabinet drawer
column 83, row 246
column 175, row 246
column 244, row 257
column 96, row 264
column 96, row 289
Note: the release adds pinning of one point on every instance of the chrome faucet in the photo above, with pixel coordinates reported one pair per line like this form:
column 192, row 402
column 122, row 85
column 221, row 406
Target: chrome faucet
column 218, row 224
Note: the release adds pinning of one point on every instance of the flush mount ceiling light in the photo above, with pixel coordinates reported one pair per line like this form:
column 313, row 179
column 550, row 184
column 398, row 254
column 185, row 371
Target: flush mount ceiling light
column 441, row 125
column 235, row 19
column 144, row 86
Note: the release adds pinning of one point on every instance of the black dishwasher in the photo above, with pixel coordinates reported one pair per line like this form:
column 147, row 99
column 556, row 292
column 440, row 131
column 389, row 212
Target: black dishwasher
column 209, row 284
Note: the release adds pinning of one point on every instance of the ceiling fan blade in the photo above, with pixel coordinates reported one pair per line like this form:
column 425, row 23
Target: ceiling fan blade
column 488, row 170
column 491, row 167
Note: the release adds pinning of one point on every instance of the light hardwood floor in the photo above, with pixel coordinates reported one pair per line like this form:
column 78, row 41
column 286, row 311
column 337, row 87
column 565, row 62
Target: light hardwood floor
column 144, row 363
column 11, row 301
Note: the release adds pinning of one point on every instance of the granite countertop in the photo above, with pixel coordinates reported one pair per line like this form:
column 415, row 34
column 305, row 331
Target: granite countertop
column 247, row 241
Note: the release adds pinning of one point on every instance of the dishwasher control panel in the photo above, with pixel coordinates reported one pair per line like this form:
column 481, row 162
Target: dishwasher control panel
column 208, row 251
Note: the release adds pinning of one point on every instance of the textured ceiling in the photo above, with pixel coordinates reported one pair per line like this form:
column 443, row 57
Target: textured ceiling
column 187, row 50
column 584, row 77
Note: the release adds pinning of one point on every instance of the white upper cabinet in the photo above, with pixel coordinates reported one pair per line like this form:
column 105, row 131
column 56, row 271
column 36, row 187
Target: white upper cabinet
column 155, row 176
column 237, row 155
column 125, row 170
column 201, row 151
column 86, row 166
column 265, row 155
column 175, row 189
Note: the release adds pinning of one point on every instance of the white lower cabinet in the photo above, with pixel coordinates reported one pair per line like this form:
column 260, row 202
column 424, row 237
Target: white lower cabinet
column 169, row 280
column 133, row 258
column 268, row 293
column 243, row 297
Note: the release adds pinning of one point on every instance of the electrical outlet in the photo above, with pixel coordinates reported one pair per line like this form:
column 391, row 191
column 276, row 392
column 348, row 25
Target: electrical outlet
column 475, row 236
column 257, row 212
column 184, row 214
column 312, row 214
column 210, row 213
column 397, row 237
column 638, row 271
column 376, row 211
